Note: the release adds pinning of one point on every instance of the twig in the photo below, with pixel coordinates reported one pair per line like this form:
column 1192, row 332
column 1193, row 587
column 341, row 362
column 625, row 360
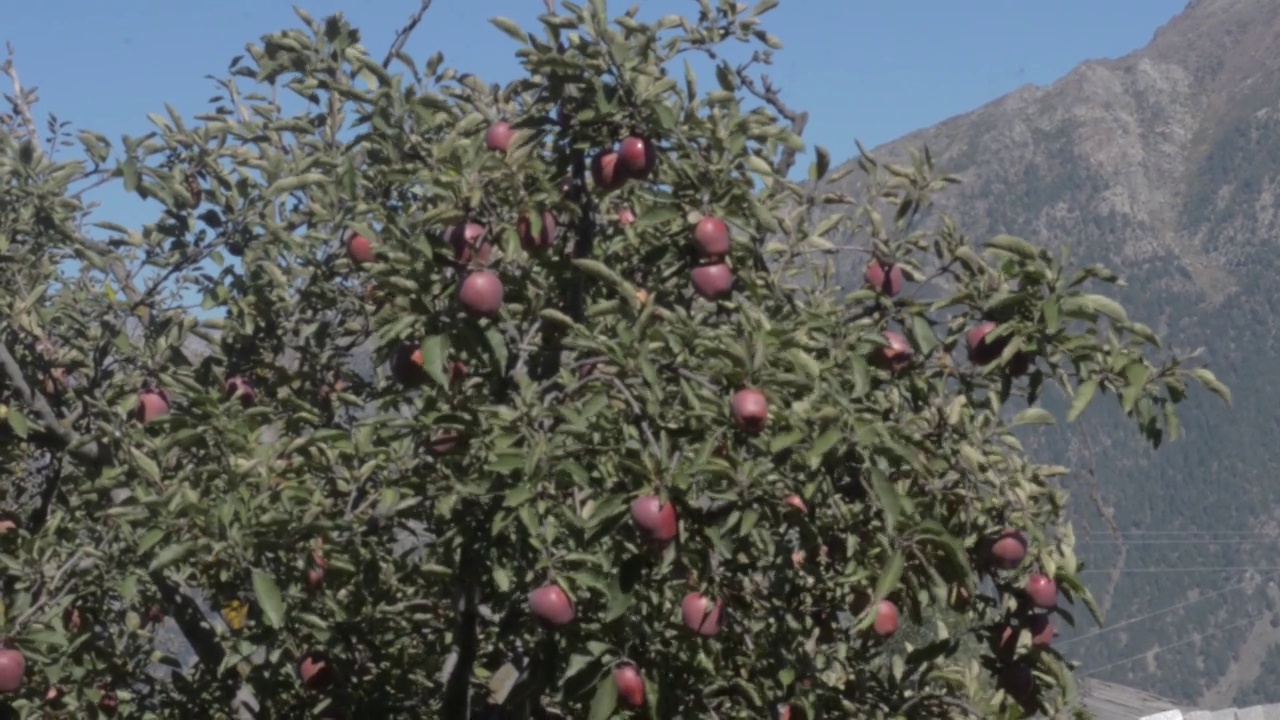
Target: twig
column 63, row 438
column 402, row 37
column 20, row 99
column 45, row 598
column 766, row 91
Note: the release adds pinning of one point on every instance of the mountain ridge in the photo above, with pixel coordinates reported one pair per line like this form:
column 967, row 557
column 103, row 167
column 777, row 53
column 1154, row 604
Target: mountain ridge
column 1161, row 163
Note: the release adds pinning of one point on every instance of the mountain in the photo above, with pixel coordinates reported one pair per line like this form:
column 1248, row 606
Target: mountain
column 1165, row 165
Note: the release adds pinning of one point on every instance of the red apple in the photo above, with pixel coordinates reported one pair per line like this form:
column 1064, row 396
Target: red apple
column 630, row 685
column 637, row 156
column 315, row 579
column 152, row 405
column 796, row 502
column 407, row 365
column 1009, row 549
column 654, row 519
column 469, row 242
column 750, row 410
column 444, row 442
column 1040, row 627
column 13, row 669
column 1042, row 591
column 498, row 136
column 886, row 622
column 315, row 671
column 886, row 278
column 551, row 606
column 606, row 172
column 240, row 387
column 626, row 216
column 481, row 293
column 981, row 350
column 701, row 614
column 710, row 238
column 109, row 703
column 546, row 236
column 897, row 354
column 360, row 249
column 713, row 281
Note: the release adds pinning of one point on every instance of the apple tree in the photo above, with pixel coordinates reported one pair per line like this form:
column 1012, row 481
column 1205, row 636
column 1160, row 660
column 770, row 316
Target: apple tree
column 422, row 396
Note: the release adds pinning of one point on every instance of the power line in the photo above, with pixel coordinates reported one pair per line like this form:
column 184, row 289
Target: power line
column 1199, row 541
column 1171, row 608
column 1162, row 648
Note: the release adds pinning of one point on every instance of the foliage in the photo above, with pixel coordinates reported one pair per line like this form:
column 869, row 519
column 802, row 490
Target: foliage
column 431, row 504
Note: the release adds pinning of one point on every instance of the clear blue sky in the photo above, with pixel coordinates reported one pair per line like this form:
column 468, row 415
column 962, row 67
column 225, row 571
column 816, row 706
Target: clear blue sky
column 865, row 70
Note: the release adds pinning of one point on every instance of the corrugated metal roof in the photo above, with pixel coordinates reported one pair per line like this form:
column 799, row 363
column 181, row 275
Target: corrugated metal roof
column 1109, row 701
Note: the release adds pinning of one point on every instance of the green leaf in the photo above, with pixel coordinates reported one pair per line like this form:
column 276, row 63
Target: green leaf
column 1014, row 246
column 267, row 593
column 1084, row 394
column 286, row 185
column 922, row 332
column 1033, row 416
column 823, row 444
column 511, row 28
column 1211, row 383
column 891, row 575
column 170, row 556
column 146, row 464
column 19, row 423
column 887, row 494
column 433, row 354
column 1105, row 305
column 150, row 540
column 784, row 441
column 557, row 317
column 605, row 700
column 602, row 272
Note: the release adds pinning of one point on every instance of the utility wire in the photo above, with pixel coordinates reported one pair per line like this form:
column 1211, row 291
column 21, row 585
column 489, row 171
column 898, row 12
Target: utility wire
column 1162, row 648
column 1130, row 621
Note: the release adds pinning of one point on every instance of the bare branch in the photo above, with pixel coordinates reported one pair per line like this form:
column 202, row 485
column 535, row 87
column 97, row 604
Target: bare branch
column 765, row 91
column 402, row 37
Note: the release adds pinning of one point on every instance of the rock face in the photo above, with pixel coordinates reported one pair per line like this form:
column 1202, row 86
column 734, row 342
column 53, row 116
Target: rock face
column 1164, row 164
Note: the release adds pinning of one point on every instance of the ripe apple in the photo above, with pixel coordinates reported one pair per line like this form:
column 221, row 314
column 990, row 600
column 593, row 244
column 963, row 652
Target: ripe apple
column 626, row 216
column 240, row 387
column 444, row 442
column 886, row 622
column 469, row 242
column 1040, row 627
column 642, row 296
column 886, row 278
column 152, row 405
column 710, row 238
column 630, row 685
column 701, row 614
column 551, row 606
column 407, row 364
column 360, row 249
column 750, row 410
column 481, row 293
column 897, row 354
column 13, row 669
column 498, row 136
column 796, row 502
column 546, row 236
column 1009, row 549
column 606, row 172
column 315, row 671
column 654, row 519
column 1042, row 591
column 713, row 281
column 637, row 156
column 315, row 579
column 72, row 620
column 109, row 703
column 981, row 350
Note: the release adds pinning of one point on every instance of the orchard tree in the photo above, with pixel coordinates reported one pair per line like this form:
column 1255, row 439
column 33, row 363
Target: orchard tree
column 427, row 397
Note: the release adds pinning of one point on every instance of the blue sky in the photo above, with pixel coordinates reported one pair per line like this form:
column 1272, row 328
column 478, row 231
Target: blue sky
column 865, row 70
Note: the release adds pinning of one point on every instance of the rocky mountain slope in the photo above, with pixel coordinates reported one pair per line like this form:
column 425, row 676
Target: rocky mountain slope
column 1165, row 164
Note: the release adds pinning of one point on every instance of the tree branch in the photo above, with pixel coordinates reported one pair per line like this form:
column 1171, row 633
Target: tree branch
column 402, row 37
column 20, row 104
column 62, row 437
column 765, row 91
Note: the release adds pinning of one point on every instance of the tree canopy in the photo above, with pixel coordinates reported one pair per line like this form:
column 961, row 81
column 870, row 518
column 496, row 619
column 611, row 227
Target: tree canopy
column 425, row 396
